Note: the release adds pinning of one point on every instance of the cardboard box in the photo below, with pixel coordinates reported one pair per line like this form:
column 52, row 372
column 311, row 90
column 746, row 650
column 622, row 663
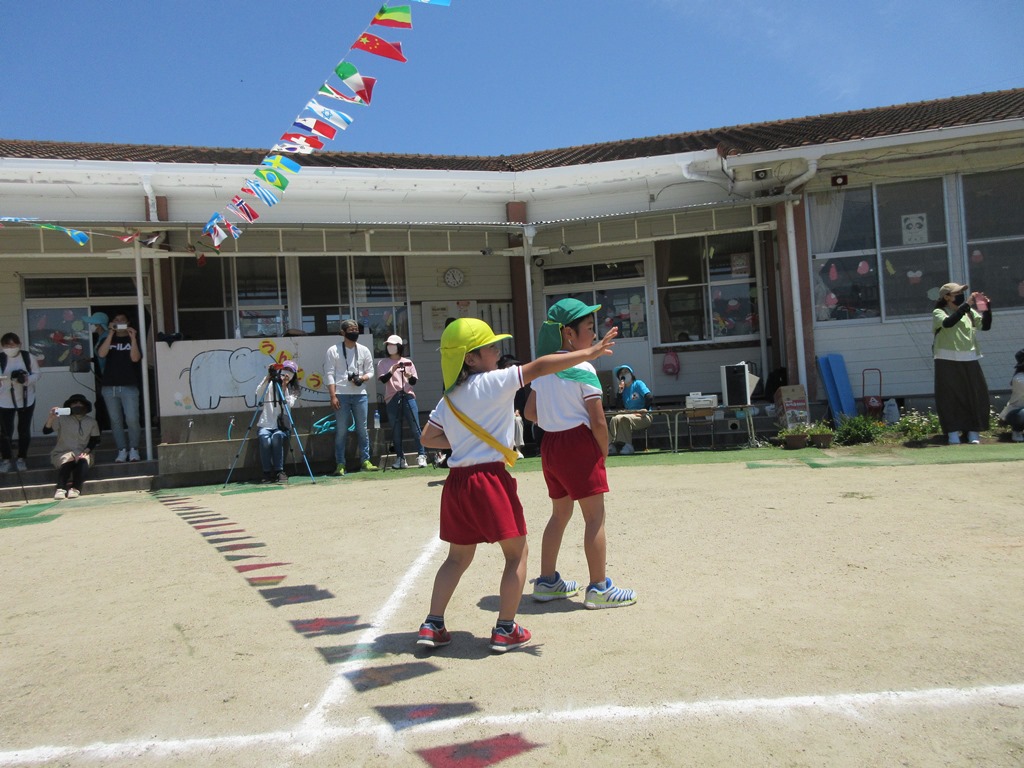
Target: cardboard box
column 698, row 400
column 791, row 406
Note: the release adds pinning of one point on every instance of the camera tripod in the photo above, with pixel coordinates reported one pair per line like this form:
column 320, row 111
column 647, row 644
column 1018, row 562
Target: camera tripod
column 274, row 381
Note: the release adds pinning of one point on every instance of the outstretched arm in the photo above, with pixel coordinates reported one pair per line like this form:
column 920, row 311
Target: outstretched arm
column 549, row 364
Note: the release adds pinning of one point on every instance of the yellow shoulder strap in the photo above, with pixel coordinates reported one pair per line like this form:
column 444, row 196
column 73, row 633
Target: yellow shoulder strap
column 482, row 434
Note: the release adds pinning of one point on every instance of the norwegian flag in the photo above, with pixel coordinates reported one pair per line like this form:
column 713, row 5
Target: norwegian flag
column 242, row 209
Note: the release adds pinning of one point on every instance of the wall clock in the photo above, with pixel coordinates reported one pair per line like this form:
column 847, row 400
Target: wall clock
column 453, row 277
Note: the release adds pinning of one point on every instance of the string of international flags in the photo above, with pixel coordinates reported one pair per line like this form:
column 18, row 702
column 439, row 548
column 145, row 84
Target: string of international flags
column 314, row 125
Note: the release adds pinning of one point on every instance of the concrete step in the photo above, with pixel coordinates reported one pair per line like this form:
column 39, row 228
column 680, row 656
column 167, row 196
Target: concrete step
column 39, row 482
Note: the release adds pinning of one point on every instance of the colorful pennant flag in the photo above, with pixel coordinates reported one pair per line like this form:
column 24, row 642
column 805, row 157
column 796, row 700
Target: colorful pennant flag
column 436, row 2
column 217, row 235
column 254, row 188
column 398, row 16
column 333, row 93
column 273, row 178
column 281, row 163
column 302, row 140
column 319, row 127
column 361, row 86
column 242, row 209
column 335, row 118
column 292, row 149
column 379, row 47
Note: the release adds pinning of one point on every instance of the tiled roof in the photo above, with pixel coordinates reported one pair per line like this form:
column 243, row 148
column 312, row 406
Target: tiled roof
column 754, row 137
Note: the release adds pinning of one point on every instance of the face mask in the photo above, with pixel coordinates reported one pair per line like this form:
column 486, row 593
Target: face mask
column 392, row 349
column 626, row 378
column 12, row 351
column 77, row 409
column 958, row 299
column 352, row 335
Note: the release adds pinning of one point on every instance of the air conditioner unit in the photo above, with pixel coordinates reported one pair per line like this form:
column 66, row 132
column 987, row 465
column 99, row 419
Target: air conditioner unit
column 737, row 384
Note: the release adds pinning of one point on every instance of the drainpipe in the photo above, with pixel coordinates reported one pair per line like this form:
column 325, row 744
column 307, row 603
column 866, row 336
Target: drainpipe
column 529, row 232
column 794, row 276
column 140, row 302
column 692, row 173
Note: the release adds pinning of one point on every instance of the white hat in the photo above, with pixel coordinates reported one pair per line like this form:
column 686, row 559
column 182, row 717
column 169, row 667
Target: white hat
column 394, row 339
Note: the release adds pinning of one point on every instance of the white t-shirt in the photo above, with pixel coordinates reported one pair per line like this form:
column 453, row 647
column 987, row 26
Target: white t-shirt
column 486, row 398
column 561, row 402
column 340, row 361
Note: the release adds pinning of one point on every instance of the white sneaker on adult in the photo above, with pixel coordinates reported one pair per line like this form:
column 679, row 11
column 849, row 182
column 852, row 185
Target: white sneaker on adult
column 627, row 450
column 133, row 455
column 122, row 456
column 612, row 450
column 20, row 465
column 74, row 493
column 400, row 463
column 5, row 466
column 973, row 438
column 60, row 493
column 421, row 460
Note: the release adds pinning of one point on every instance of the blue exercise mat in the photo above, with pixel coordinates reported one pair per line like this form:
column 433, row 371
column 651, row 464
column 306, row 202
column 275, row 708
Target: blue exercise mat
column 837, row 386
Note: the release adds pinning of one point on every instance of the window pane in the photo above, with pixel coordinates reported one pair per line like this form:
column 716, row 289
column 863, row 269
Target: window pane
column 111, row 286
column 198, row 286
column 55, row 287
column 618, row 270
column 580, row 273
column 382, row 322
column 997, row 270
column 842, row 221
column 260, row 323
column 734, row 310
column 322, row 321
column 320, row 281
column 378, row 278
column 587, row 297
column 203, row 324
column 908, row 276
column 911, row 213
column 58, row 336
column 625, row 309
column 846, row 288
column 683, row 315
column 258, row 281
column 994, row 204
column 680, row 262
column 731, row 256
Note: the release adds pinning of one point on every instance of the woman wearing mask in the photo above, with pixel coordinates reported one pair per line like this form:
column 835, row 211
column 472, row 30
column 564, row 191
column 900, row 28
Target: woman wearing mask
column 19, row 373
column 961, row 393
column 78, row 434
column 275, row 424
column 398, row 375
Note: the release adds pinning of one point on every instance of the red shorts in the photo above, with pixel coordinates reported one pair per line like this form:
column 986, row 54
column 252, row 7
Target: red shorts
column 573, row 464
column 479, row 504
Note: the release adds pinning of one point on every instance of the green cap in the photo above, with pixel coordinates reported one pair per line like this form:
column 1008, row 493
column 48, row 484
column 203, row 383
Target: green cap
column 560, row 315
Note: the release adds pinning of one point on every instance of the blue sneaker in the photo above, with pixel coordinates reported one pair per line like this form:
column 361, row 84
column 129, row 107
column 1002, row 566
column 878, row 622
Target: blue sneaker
column 608, row 597
column 556, row 589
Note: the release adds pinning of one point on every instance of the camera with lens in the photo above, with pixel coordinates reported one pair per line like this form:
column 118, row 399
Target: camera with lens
column 20, row 376
column 274, row 372
column 355, row 378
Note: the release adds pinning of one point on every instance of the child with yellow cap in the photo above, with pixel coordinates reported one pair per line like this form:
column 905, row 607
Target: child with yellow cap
column 479, row 503
column 567, row 406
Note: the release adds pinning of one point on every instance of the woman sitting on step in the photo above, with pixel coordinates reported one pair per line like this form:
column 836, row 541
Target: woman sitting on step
column 77, row 435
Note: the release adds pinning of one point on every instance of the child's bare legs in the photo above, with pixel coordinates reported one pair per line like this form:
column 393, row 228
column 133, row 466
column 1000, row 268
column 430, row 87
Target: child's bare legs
column 551, row 543
column 448, row 575
column 595, row 545
column 513, row 578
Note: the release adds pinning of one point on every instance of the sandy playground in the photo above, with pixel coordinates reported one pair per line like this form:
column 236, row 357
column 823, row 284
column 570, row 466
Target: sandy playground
column 788, row 615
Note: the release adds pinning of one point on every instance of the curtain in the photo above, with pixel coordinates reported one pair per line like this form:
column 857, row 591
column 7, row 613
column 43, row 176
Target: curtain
column 826, row 220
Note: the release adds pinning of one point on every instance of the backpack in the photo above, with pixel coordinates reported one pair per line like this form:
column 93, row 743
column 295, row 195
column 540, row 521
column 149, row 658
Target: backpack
column 670, row 364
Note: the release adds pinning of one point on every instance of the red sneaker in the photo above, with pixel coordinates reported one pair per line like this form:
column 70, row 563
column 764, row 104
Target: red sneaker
column 433, row 638
column 502, row 641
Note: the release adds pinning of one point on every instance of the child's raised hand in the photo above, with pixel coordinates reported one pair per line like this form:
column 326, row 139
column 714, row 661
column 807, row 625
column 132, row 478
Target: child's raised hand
column 604, row 346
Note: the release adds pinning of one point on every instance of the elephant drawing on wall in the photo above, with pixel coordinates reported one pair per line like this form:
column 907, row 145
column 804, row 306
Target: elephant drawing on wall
column 227, row 373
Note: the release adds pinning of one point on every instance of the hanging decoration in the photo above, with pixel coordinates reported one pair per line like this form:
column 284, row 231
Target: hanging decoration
column 315, row 125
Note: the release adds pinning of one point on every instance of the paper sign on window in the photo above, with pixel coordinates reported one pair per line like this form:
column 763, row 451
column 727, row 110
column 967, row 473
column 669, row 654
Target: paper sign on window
column 915, row 228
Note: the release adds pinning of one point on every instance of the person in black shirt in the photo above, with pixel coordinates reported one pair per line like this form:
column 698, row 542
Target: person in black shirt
column 120, row 385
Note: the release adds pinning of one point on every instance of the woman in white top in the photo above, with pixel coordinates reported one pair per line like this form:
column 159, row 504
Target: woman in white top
column 279, row 390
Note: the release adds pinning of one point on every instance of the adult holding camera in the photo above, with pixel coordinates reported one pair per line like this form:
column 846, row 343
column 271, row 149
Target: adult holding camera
column 636, row 400
column 398, row 375
column 19, row 373
column 278, row 392
column 961, row 392
column 119, row 385
column 347, row 367
column 78, row 434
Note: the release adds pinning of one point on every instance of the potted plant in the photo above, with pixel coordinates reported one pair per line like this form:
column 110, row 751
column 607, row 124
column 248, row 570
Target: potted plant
column 821, row 434
column 795, row 436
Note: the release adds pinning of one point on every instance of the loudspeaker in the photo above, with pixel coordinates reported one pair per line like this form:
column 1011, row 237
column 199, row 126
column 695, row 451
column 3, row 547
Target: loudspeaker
column 737, row 384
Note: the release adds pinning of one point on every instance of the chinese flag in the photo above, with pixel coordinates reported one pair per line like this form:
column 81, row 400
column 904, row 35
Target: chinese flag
column 375, row 45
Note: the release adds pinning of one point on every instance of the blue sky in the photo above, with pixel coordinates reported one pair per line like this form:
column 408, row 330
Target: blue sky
column 484, row 76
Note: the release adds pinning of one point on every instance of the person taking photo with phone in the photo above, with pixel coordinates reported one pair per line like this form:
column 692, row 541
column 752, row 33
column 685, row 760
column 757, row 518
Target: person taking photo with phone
column 398, row 375
column 78, row 434
column 119, row 385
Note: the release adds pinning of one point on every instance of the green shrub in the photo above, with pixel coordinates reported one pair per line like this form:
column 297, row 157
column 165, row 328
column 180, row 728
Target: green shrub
column 915, row 426
column 858, row 429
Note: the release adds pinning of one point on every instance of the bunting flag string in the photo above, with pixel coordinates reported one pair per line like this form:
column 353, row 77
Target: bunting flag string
column 312, row 127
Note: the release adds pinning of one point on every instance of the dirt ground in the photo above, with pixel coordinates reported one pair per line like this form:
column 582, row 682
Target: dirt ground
column 787, row 615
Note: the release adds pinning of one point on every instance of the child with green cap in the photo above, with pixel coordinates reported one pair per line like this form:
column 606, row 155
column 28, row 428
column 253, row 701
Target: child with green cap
column 568, row 408
column 479, row 503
